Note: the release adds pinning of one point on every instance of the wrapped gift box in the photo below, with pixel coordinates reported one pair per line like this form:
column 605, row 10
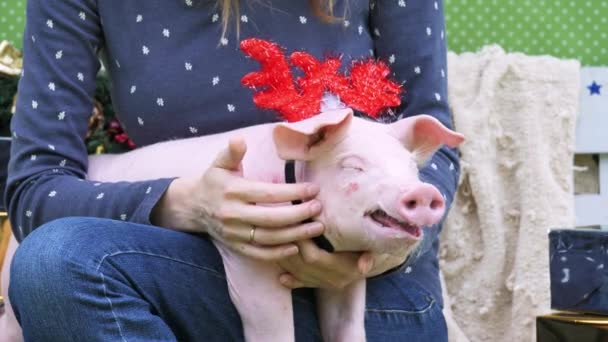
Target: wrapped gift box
column 571, row 327
column 579, row 270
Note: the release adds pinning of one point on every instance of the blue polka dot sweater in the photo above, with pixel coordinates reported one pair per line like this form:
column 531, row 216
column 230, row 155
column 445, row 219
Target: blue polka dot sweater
column 174, row 76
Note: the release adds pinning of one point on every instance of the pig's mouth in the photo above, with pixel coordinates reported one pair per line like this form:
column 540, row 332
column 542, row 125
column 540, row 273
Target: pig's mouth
column 384, row 220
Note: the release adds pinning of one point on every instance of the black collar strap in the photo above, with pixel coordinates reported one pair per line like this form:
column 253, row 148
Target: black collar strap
column 290, row 178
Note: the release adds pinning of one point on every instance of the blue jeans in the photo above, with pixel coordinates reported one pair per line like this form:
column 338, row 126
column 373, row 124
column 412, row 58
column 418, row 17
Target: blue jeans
column 89, row 279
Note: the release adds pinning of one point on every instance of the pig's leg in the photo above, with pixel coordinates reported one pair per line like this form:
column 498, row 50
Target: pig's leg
column 263, row 303
column 342, row 313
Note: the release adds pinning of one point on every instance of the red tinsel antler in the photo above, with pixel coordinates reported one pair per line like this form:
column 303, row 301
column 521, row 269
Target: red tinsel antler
column 280, row 93
column 367, row 90
column 370, row 91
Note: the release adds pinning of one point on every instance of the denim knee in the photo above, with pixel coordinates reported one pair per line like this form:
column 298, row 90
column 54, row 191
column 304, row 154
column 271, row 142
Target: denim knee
column 50, row 260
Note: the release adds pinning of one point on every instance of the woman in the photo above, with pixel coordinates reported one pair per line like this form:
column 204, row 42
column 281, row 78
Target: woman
column 131, row 261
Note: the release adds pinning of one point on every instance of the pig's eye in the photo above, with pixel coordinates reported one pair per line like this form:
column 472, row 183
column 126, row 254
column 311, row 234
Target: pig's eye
column 353, row 163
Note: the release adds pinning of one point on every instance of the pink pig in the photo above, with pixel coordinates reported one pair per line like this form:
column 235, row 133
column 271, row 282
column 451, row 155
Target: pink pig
column 372, row 201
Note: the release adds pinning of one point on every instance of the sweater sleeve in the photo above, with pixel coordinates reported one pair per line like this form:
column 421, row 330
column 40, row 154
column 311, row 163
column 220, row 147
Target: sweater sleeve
column 48, row 164
column 409, row 34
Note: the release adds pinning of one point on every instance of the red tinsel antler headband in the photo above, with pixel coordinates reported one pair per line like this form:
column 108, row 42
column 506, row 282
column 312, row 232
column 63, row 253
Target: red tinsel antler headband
column 367, row 89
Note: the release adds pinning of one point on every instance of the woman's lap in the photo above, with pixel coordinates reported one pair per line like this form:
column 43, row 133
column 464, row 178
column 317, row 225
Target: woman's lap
column 106, row 279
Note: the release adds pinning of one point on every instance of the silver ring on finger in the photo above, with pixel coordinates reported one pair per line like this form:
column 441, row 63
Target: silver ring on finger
column 252, row 234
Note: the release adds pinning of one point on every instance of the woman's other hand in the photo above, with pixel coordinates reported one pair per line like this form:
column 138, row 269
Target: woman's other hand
column 239, row 212
column 314, row 267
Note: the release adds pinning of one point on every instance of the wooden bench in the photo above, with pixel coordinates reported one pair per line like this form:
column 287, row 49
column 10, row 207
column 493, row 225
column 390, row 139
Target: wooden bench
column 591, row 128
column 4, row 238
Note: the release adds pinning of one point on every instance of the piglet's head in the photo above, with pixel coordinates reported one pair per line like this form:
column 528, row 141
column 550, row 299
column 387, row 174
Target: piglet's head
column 372, row 196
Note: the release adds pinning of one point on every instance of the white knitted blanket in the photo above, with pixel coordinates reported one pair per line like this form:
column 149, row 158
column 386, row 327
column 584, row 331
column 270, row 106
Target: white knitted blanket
column 518, row 114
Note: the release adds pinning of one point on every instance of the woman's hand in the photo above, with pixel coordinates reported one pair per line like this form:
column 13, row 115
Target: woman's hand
column 314, row 267
column 223, row 204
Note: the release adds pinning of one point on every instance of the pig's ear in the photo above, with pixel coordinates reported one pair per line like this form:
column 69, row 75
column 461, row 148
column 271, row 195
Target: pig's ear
column 306, row 139
column 423, row 135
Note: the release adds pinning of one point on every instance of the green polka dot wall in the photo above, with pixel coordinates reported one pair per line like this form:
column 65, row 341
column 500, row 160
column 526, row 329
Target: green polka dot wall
column 12, row 20
column 562, row 28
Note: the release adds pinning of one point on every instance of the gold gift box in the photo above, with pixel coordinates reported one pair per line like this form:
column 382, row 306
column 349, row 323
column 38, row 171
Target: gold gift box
column 571, row 327
column 11, row 59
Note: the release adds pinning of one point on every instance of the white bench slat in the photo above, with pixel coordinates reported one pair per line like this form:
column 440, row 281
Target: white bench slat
column 592, row 137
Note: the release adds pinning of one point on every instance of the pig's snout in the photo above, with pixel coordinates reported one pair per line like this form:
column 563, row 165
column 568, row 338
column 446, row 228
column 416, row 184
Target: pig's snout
column 422, row 205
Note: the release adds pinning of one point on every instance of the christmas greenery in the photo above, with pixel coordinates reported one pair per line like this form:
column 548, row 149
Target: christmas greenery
column 104, row 134
column 8, row 88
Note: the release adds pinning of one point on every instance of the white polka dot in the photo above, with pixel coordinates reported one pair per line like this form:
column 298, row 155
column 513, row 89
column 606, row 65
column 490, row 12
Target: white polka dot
column 123, row 217
column 59, row 54
column 61, row 115
column 28, row 213
column 52, row 193
column 34, row 104
column 148, row 190
column 166, row 33
column 377, row 32
column 82, row 15
column 401, row 3
column 51, row 147
column 451, row 166
column 224, row 41
column 160, row 102
column 438, row 97
column 52, row 86
column 360, row 29
column 346, row 23
column 189, row 3
column 215, row 17
column 193, row 130
column 244, row 18
column 428, row 31
column 145, row 50
column 434, row 166
column 62, row 163
column 436, row 6
column 391, row 59
column 230, row 107
column 408, row 269
column 139, row 18
column 215, row 80
column 80, row 76
column 49, row 23
column 140, row 121
column 133, row 89
column 100, row 195
column 417, row 70
column 303, row 19
column 188, row 66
